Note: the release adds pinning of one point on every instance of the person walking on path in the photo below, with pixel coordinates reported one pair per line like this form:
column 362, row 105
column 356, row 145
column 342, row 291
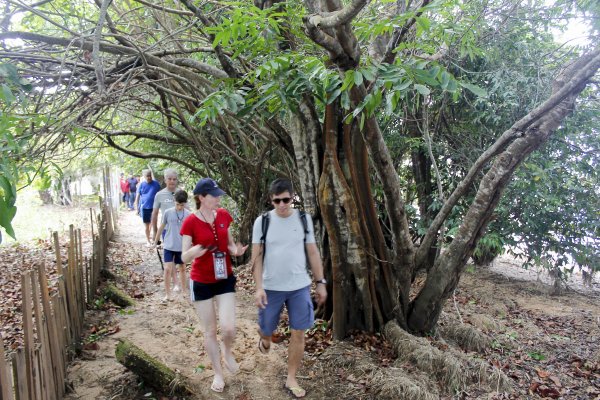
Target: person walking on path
column 280, row 258
column 163, row 201
column 145, row 199
column 208, row 242
column 171, row 222
column 133, row 182
column 124, row 190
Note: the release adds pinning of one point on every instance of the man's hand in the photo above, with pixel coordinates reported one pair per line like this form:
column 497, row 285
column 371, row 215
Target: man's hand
column 260, row 298
column 321, row 294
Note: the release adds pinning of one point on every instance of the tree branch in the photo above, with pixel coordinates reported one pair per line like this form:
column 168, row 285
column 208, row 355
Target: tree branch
column 138, row 154
column 571, row 80
column 108, row 48
column 96, row 58
column 337, row 18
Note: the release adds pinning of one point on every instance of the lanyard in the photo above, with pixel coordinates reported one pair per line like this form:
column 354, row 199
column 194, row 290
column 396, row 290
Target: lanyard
column 212, row 227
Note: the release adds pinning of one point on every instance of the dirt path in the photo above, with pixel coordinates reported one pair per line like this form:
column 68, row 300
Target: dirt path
column 548, row 346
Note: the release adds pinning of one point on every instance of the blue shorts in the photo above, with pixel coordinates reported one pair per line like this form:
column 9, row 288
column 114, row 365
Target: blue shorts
column 146, row 215
column 204, row 291
column 172, row 256
column 299, row 306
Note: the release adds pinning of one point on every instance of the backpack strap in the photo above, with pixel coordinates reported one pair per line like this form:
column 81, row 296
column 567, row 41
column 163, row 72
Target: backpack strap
column 302, row 214
column 265, row 227
column 304, row 223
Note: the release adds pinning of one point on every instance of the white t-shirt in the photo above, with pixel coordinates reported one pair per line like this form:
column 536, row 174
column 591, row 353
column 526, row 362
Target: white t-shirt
column 284, row 266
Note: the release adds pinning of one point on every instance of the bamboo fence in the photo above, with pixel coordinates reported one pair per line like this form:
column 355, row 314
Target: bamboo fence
column 53, row 324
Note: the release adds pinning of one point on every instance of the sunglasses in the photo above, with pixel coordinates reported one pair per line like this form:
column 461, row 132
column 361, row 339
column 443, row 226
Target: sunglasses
column 285, row 200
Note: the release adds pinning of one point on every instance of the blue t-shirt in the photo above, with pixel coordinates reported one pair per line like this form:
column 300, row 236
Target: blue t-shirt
column 147, row 192
column 132, row 184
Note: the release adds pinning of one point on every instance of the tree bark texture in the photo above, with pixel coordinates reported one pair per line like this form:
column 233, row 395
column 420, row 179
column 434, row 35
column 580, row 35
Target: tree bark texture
column 154, row 373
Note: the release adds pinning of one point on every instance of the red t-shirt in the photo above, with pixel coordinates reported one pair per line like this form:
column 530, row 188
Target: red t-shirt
column 124, row 186
column 203, row 270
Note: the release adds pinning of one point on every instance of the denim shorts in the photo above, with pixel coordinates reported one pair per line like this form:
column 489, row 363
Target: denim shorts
column 299, row 306
column 204, row 291
column 172, row 256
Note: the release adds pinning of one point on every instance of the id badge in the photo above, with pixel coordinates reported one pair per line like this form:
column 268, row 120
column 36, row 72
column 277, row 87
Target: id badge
column 220, row 265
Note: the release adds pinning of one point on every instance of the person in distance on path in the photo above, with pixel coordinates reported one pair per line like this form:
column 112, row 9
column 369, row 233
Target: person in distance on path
column 172, row 220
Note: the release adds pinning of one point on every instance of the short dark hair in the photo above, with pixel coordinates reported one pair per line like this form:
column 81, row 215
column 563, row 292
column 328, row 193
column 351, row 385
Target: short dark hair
column 281, row 185
column 181, row 196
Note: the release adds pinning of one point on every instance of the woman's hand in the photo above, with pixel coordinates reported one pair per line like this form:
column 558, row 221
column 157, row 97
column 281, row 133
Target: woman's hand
column 237, row 250
column 197, row 251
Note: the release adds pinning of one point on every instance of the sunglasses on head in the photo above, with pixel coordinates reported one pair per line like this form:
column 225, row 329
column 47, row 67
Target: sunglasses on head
column 285, row 200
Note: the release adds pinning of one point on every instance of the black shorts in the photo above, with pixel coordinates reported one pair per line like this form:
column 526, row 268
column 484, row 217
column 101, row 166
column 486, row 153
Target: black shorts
column 205, row 291
column 147, row 215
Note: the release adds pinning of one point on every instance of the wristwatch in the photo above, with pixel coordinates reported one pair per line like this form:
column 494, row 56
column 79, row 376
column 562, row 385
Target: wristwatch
column 323, row 281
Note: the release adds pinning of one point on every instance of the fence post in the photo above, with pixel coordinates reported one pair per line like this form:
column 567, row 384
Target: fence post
column 56, row 352
column 28, row 333
column 6, row 385
column 61, row 287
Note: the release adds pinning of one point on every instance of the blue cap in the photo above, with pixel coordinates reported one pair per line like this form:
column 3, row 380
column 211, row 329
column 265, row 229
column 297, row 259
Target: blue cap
column 208, row 186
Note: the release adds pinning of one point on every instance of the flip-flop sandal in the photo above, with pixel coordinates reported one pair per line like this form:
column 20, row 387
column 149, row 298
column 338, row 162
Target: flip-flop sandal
column 217, row 388
column 262, row 348
column 295, row 391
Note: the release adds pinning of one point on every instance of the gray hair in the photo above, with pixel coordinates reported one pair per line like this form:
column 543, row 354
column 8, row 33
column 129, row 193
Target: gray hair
column 145, row 172
column 170, row 172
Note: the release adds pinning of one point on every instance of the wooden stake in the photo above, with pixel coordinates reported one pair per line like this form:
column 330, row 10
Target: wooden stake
column 30, row 374
column 6, row 385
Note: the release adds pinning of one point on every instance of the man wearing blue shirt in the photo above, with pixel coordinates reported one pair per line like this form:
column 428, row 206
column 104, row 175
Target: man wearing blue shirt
column 145, row 198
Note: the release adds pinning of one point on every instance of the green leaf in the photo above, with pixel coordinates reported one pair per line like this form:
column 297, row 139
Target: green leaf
column 423, row 22
column 358, row 78
column 10, row 192
column 7, row 213
column 422, row 89
column 348, row 81
column 7, row 95
column 368, row 74
column 331, row 98
column 476, row 90
column 445, row 80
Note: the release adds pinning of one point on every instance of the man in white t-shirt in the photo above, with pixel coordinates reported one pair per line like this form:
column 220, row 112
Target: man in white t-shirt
column 281, row 276
column 163, row 201
column 165, row 198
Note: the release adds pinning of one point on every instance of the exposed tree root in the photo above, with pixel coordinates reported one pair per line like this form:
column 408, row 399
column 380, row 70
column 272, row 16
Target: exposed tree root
column 401, row 387
column 454, row 370
column 465, row 336
column 385, row 383
column 153, row 372
column 117, row 296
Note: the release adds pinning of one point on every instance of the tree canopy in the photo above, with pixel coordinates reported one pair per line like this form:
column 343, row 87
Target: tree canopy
column 402, row 123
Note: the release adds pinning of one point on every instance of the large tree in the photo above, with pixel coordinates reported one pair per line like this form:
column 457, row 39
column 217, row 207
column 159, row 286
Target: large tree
column 371, row 108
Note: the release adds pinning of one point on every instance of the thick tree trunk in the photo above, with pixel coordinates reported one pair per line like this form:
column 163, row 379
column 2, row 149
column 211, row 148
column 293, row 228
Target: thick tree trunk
column 363, row 293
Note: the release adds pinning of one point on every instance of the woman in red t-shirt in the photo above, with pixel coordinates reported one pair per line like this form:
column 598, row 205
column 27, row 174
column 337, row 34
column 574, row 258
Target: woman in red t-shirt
column 208, row 242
